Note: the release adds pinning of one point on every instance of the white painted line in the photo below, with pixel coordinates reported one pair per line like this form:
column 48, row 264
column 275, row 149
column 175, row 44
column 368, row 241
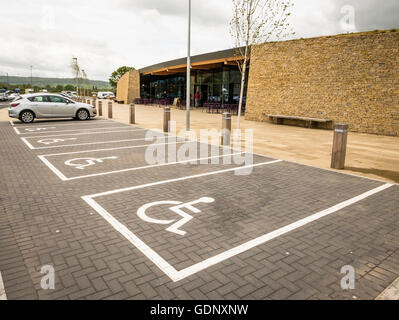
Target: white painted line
column 107, row 149
column 176, row 275
column 86, row 129
column 182, row 179
column 27, row 143
column 64, row 178
column 11, row 122
column 16, row 130
column 86, row 133
column 79, row 144
column 3, row 295
column 57, row 124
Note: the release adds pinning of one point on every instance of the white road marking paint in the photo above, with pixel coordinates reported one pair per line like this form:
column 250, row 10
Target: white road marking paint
column 51, row 141
column 3, row 295
column 16, row 130
column 11, row 122
column 33, row 131
column 178, row 209
column 108, row 149
column 84, row 133
column 64, row 178
column 176, row 275
column 38, row 129
column 78, row 144
column 183, row 178
column 72, row 123
column 89, row 162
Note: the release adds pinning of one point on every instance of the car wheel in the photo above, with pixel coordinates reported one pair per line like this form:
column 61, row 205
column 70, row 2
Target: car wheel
column 83, row 115
column 27, row 116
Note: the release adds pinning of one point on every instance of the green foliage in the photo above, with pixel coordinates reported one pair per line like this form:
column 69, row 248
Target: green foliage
column 117, row 74
column 53, row 82
column 69, row 87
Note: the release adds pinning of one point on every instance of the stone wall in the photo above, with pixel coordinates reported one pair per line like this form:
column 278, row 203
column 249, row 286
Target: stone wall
column 351, row 78
column 128, row 87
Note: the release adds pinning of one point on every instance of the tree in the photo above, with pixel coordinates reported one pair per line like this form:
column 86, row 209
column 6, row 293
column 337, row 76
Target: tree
column 255, row 22
column 116, row 75
column 76, row 72
column 69, row 87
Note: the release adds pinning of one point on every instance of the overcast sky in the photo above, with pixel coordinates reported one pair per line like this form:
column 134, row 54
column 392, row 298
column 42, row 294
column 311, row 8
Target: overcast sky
column 106, row 34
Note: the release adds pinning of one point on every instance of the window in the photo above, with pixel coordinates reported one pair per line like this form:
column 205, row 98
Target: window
column 38, row 99
column 56, row 99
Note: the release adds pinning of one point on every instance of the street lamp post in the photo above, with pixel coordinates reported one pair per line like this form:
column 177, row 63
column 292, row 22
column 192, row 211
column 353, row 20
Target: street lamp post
column 188, row 98
column 77, row 75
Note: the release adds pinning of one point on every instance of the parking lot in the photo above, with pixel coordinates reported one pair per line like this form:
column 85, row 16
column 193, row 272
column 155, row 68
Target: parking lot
column 82, row 197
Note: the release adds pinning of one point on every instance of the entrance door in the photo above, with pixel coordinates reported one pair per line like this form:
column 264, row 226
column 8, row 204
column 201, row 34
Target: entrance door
column 202, row 89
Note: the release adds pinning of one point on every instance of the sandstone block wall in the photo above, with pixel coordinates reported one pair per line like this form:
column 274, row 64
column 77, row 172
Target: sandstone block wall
column 128, row 87
column 350, row 78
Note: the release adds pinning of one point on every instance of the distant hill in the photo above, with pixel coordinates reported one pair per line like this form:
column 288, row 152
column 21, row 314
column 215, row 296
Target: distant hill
column 42, row 82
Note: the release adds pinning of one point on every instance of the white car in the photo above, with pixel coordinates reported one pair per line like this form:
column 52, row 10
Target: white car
column 44, row 105
column 104, row 95
column 13, row 96
column 3, row 96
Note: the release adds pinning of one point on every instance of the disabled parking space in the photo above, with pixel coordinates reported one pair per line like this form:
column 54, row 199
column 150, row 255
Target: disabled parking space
column 186, row 225
column 144, row 155
column 116, row 223
column 62, row 140
column 60, row 127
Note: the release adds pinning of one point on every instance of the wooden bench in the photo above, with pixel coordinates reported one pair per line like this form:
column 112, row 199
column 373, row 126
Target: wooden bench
column 310, row 122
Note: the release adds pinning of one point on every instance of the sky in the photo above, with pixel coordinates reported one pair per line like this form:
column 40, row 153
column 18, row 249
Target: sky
column 105, row 35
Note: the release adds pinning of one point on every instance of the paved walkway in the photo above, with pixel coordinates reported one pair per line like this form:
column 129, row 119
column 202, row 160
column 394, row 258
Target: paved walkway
column 81, row 197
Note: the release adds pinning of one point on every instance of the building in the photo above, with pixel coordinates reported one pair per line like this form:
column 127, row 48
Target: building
column 214, row 76
column 351, row 78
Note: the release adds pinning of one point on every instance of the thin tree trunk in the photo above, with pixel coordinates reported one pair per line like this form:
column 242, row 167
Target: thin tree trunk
column 243, row 73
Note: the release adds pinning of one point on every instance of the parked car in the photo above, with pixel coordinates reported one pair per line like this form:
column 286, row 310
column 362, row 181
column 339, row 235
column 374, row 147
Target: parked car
column 13, row 96
column 104, row 95
column 40, row 105
column 3, row 96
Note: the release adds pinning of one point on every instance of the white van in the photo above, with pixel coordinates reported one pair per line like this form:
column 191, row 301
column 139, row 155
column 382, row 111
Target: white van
column 105, row 94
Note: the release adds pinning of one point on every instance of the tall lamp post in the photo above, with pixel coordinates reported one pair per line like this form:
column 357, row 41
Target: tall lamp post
column 77, row 75
column 188, row 98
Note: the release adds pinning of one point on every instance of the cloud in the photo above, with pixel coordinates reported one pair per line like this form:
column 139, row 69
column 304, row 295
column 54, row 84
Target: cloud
column 105, row 35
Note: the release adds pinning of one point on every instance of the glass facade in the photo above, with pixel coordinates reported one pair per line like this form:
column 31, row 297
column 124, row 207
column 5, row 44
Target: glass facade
column 221, row 85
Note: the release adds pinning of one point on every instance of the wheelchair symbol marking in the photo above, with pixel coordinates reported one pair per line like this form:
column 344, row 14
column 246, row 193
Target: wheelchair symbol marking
column 51, row 141
column 39, row 129
column 177, row 208
column 87, row 162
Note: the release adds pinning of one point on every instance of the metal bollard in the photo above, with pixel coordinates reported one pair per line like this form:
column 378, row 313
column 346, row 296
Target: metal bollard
column 100, row 108
column 132, row 114
column 339, row 146
column 226, row 129
column 93, row 102
column 166, row 119
column 110, row 110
